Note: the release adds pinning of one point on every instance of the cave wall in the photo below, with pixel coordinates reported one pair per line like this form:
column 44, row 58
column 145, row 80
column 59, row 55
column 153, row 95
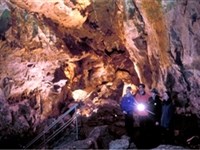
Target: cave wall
column 167, row 57
column 44, row 61
column 183, row 29
column 48, row 55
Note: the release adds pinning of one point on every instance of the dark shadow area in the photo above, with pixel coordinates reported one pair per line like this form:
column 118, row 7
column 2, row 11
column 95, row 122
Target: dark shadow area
column 15, row 141
column 184, row 132
column 146, row 137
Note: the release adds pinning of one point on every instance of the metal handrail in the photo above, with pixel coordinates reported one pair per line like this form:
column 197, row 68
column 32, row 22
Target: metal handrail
column 59, row 130
column 51, row 126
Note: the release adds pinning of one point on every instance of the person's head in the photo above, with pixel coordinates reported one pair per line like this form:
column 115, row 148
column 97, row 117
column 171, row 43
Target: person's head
column 141, row 88
column 128, row 90
column 154, row 92
column 165, row 96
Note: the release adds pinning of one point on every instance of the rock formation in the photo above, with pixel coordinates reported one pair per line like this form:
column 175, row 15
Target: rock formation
column 54, row 51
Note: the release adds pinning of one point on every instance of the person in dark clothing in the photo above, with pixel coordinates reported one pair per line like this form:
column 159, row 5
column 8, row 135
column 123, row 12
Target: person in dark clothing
column 167, row 111
column 166, row 119
column 127, row 106
column 155, row 107
column 152, row 132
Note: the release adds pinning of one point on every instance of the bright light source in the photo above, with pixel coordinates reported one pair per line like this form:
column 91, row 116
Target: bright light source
column 140, row 107
column 95, row 110
column 79, row 95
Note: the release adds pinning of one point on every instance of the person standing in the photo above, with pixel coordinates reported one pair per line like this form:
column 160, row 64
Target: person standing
column 167, row 111
column 141, row 117
column 155, row 107
column 166, row 118
column 153, row 125
column 141, row 98
column 127, row 106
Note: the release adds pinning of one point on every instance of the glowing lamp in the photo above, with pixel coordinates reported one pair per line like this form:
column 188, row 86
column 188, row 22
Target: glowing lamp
column 79, row 95
column 140, row 107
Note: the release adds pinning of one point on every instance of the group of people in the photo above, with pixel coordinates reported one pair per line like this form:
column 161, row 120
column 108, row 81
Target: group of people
column 149, row 110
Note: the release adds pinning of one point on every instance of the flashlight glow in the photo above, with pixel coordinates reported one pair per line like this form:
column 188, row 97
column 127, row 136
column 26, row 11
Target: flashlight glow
column 140, row 107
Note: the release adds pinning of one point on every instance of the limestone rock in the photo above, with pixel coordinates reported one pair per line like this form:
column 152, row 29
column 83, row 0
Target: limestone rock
column 169, row 147
column 60, row 12
column 89, row 142
column 119, row 144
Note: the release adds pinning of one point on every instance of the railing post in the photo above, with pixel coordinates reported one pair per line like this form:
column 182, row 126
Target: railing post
column 76, row 120
column 42, row 134
column 44, row 140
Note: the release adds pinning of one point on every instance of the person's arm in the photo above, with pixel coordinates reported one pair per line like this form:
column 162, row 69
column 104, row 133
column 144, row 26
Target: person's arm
column 123, row 105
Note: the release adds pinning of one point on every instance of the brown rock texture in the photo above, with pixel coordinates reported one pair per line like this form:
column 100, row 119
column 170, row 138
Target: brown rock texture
column 183, row 29
column 52, row 52
column 63, row 12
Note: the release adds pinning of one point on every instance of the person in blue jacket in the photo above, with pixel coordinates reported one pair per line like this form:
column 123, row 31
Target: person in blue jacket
column 127, row 106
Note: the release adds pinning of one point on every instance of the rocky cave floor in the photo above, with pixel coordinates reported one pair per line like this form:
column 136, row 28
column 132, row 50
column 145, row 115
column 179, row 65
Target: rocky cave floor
column 105, row 129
